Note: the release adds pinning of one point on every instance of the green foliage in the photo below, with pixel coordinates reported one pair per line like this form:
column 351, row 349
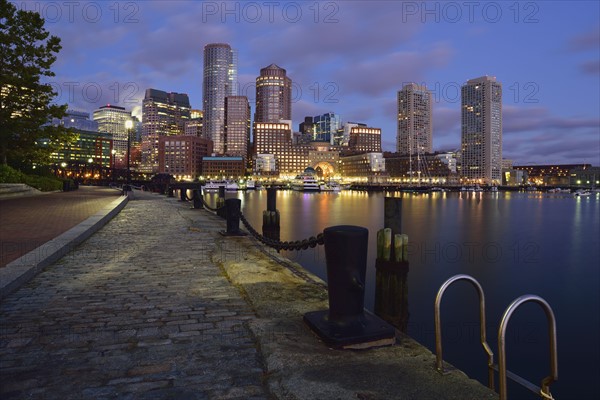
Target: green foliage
column 27, row 51
column 46, row 183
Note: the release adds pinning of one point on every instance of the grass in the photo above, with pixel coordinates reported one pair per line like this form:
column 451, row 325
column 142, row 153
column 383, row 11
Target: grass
column 45, row 183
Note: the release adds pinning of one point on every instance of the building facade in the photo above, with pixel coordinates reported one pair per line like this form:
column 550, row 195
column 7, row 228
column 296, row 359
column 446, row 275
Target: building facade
column 223, row 167
column 237, row 126
column 219, row 81
column 366, row 167
column 276, row 139
column 112, row 119
column 273, row 95
column 415, row 126
column 364, row 139
column 181, row 155
column 163, row 114
column 481, row 131
column 77, row 120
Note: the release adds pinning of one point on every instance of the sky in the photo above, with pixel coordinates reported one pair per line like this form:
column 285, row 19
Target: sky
column 351, row 58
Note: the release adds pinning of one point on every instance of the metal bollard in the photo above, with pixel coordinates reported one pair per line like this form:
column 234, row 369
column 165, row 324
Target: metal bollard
column 347, row 324
column 233, row 211
column 197, row 199
column 182, row 194
column 170, row 192
column 271, row 199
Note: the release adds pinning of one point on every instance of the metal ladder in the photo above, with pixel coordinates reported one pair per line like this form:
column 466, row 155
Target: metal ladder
column 544, row 391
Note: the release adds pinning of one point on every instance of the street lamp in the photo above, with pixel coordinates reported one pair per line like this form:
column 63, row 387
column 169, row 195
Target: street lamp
column 128, row 126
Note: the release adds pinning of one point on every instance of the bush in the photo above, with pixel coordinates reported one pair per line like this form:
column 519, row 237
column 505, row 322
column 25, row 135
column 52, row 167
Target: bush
column 43, row 183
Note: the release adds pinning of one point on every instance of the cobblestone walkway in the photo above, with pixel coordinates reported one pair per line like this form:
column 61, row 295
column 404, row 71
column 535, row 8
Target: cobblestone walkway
column 138, row 311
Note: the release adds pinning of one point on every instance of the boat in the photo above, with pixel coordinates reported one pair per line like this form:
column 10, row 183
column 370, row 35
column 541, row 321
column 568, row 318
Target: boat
column 231, row 186
column 213, row 185
column 582, row 192
column 494, row 189
column 250, row 184
column 305, row 183
column 329, row 187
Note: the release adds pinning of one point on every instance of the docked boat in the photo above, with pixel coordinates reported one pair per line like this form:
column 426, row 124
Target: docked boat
column 330, row 187
column 250, row 184
column 231, row 186
column 306, row 183
column 582, row 193
column 213, row 186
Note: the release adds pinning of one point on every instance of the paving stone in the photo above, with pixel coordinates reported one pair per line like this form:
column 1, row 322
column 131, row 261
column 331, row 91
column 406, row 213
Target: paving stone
column 139, row 310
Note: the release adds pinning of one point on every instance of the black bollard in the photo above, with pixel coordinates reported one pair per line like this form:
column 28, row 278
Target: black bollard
column 170, row 192
column 197, row 199
column 271, row 199
column 221, row 192
column 182, row 194
column 346, row 324
column 233, row 211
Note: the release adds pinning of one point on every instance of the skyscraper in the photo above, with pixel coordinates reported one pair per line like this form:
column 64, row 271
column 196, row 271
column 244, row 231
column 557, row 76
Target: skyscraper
column 273, row 95
column 163, row 114
column 111, row 119
column 237, row 126
column 481, row 132
column 414, row 134
column 220, row 81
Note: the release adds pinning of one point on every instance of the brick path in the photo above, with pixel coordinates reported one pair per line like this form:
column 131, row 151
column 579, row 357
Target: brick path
column 140, row 310
column 29, row 222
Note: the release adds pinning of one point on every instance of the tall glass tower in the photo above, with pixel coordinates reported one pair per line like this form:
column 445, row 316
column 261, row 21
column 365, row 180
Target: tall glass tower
column 220, row 81
column 481, row 130
column 414, row 132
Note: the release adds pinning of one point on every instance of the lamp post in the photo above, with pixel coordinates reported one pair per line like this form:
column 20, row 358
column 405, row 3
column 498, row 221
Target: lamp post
column 128, row 126
column 113, row 152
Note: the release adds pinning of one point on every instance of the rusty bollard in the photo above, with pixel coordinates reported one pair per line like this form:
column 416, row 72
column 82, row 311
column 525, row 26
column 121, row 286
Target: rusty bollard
column 182, row 194
column 170, row 192
column 346, row 324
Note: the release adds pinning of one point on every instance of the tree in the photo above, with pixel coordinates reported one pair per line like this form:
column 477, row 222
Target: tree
column 27, row 51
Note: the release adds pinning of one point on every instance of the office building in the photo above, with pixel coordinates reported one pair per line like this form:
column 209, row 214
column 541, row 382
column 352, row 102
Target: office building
column 219, row 81
column 181, row 155
column 364, row 139
column 273, row 95
column 414, row 133
column 237, row 126
column 111, row 119
column 481, row 131
column 163, row 114
column 77, row 120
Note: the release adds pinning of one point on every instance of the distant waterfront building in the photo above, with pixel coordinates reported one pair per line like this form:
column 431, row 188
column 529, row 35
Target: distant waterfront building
column 163, row 114
column 90, row 150
column 77, row 120
column 112, row 119
column 223, row 167
column 585, row 177
column 438, row 170
column 237, row 126
column 273, row 95
column 219, row 81
column 366, row 167
column 415, row 126
column 364, row 139
column 181, row 155
column 276, row 139
column 552, row 175
column 481, row 132
column 264, row 164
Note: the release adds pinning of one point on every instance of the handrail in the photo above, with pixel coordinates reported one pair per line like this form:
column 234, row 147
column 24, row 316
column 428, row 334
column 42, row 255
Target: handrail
column 544, row 391
column 438, row 326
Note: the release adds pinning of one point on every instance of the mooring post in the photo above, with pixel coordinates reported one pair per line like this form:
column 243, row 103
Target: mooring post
column 347, row 324
column 233, row 210
column 391, row 265
column 182, row 194
column 221, row 202
column 271, row 228
column 197, row 199
column 170, row 191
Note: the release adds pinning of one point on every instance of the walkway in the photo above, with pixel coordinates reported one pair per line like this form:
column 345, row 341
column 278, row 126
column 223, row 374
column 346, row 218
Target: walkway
column 28, row 222
column 137, row 311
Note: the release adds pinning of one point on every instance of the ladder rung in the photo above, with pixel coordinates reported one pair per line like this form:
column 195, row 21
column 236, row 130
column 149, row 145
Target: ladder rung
column 521, row 381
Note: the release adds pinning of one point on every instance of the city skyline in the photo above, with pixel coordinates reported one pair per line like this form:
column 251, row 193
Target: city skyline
column 545, row 54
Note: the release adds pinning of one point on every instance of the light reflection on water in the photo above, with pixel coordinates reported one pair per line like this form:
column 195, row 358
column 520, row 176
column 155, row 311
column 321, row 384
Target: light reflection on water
column 512, row 243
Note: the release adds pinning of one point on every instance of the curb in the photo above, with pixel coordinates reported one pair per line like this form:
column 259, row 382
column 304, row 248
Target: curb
column 20, row 271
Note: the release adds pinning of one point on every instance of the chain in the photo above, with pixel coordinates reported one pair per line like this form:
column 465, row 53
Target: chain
column 311, row 242
column 208, row 205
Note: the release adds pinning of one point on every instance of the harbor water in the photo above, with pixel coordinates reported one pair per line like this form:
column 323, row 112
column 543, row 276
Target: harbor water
column 513, row 243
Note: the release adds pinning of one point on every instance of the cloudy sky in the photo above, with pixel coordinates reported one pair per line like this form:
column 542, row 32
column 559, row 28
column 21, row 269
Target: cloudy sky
column 351, row 57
